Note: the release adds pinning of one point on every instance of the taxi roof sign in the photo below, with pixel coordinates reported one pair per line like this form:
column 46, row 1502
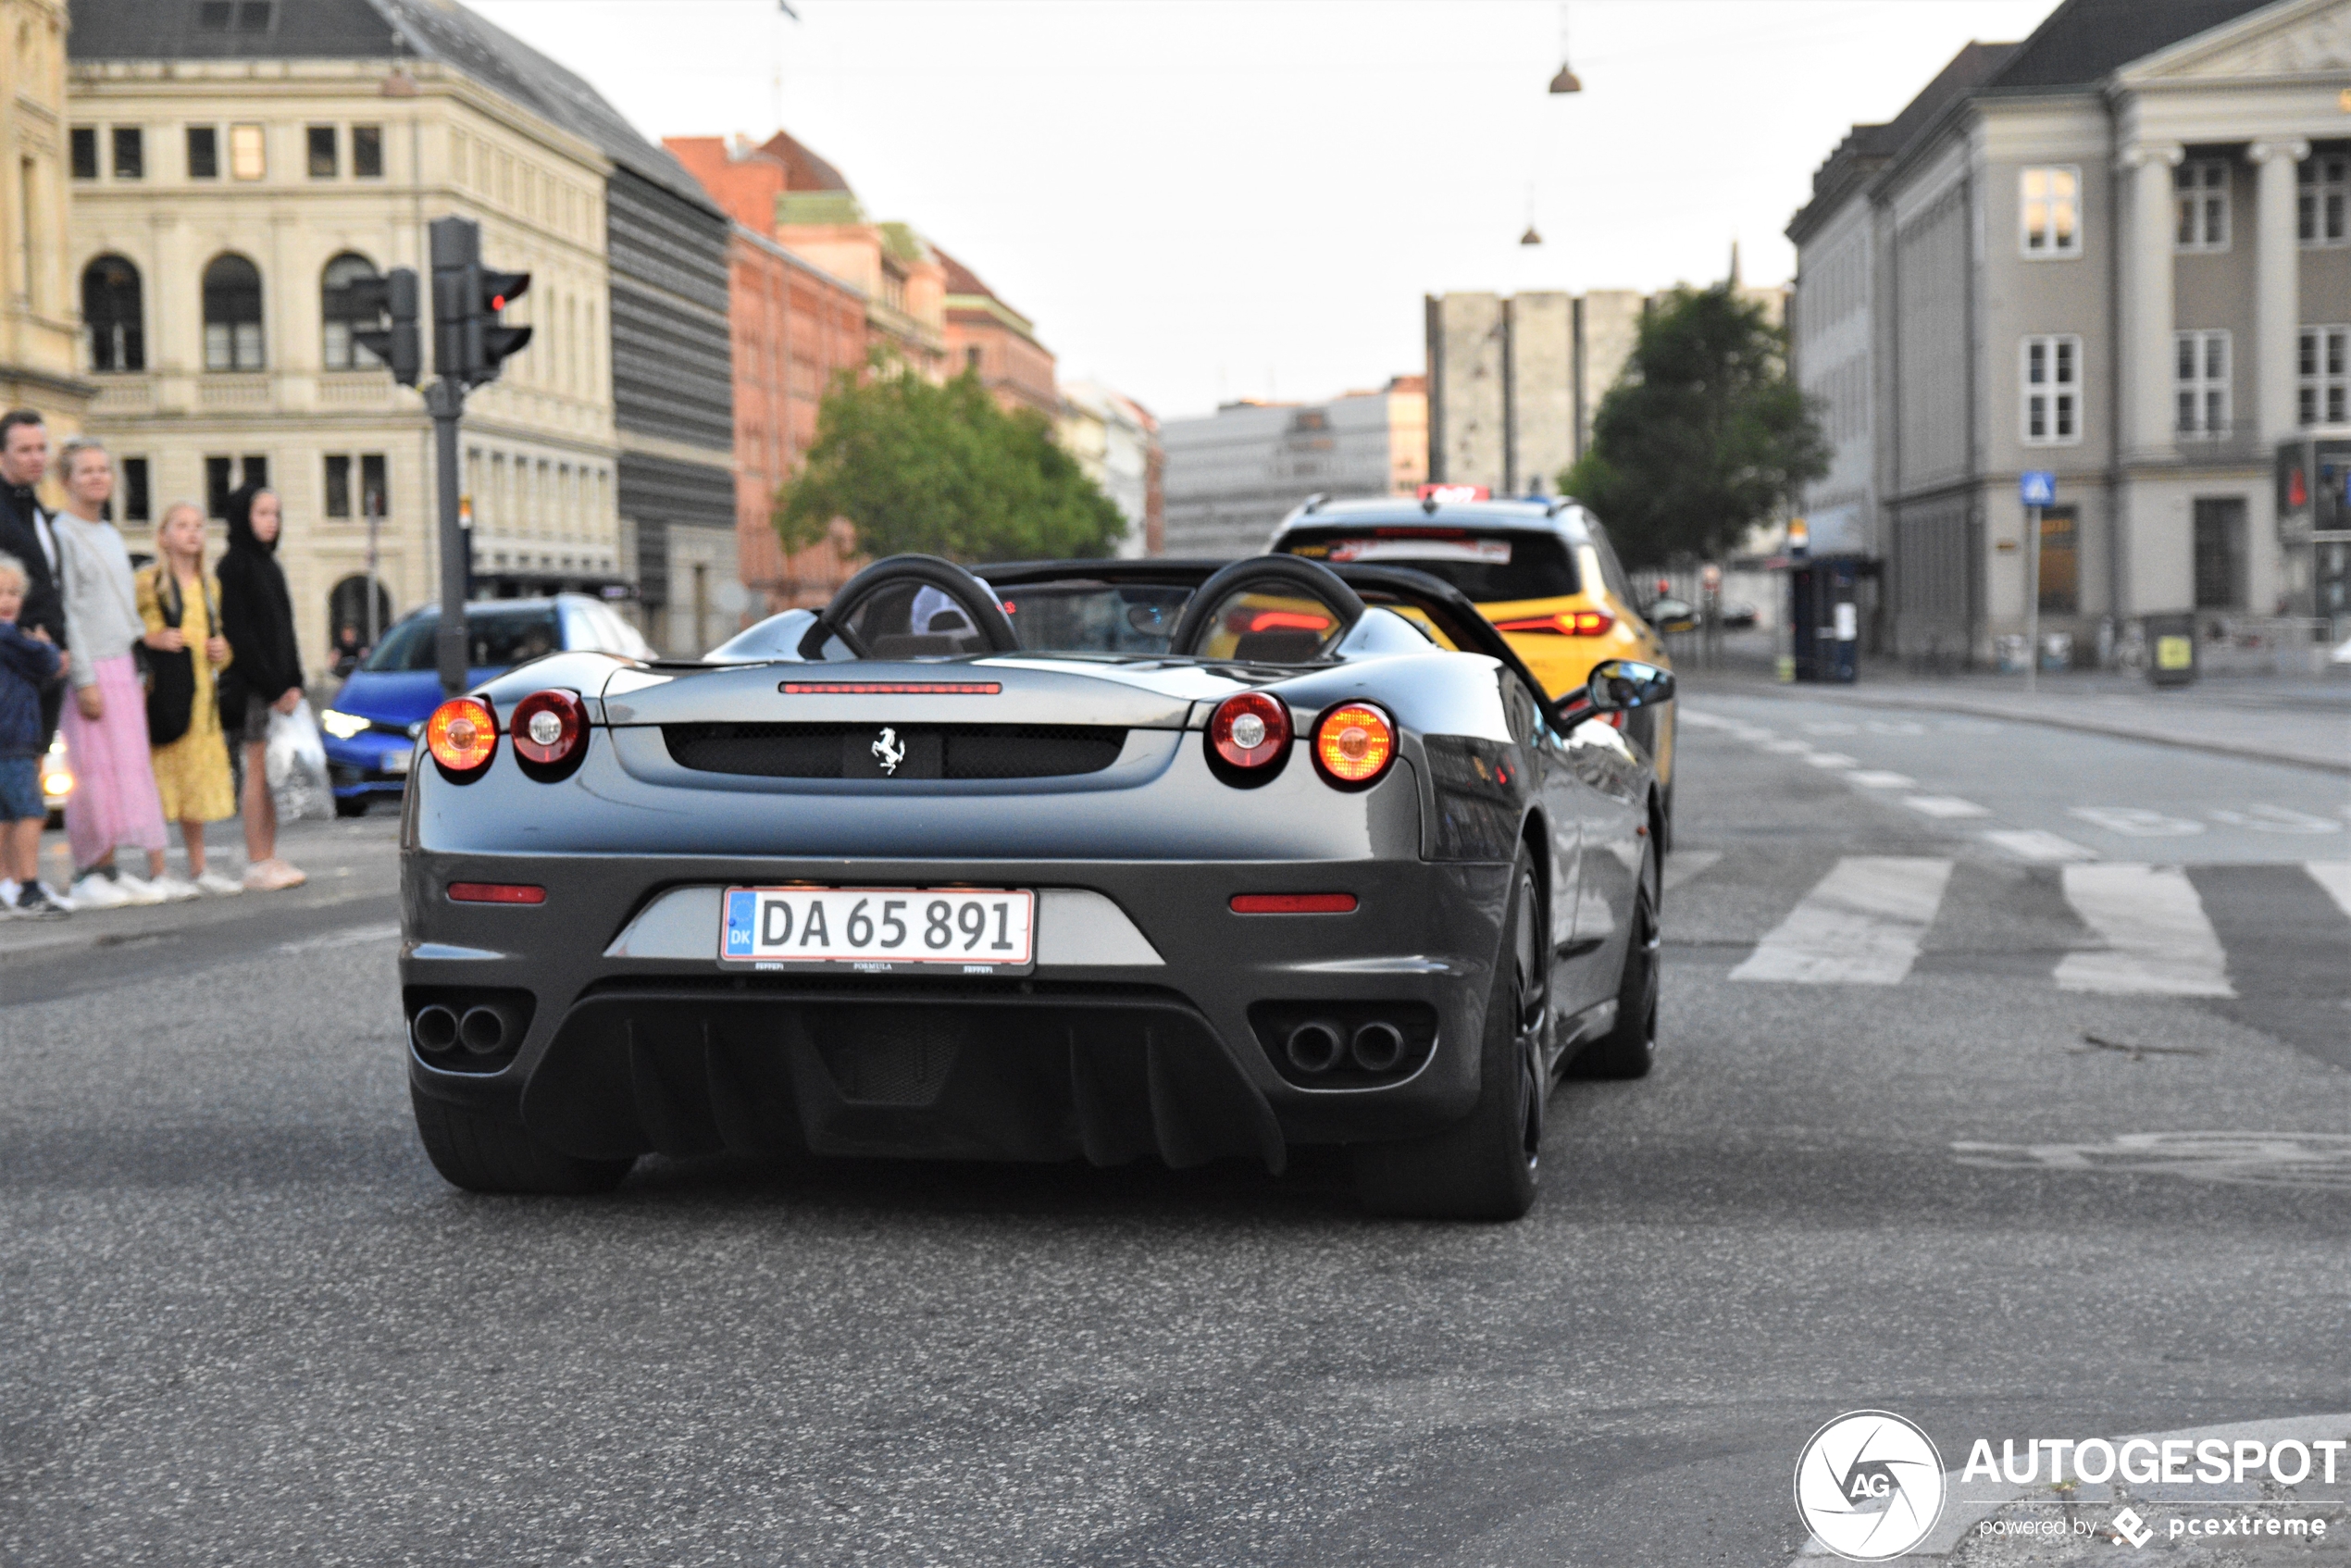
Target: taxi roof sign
column 1455, row 492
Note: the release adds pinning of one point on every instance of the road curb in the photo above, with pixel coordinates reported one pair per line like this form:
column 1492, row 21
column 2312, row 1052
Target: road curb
column 2079, row 724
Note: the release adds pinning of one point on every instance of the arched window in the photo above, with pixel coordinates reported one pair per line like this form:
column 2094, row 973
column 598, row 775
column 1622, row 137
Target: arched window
column 111, row 309
column 231, row 315
column 344, row 315
column 347, row 607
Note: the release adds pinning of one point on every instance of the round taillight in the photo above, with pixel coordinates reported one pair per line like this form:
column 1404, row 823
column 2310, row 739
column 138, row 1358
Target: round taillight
column 1354, row 743
column 1249, row 731
column 462, row 735
column 549, row 728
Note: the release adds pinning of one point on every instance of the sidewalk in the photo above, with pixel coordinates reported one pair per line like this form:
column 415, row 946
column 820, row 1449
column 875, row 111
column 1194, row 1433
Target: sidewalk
column 2302, row 721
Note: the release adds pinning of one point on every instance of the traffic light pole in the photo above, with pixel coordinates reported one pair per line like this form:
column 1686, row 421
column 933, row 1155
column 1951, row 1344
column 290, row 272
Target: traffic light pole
column 446, row 399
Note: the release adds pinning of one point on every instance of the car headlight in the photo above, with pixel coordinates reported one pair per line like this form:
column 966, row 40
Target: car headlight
column 341, row 725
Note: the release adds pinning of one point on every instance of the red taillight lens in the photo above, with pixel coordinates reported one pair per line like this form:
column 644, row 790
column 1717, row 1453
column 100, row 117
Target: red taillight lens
column 549, row 728
column 1250, row 729
column 462, row 735
column 1353, row 745
column 1567, row 623
column 1293, row 903
column 496, row 892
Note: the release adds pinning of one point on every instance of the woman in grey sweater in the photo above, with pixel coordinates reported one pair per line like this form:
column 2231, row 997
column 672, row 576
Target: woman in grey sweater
column 114, row 801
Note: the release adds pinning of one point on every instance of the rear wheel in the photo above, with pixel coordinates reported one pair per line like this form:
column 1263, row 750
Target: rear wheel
column 1629, row 1050
column 1484, row 1167
column 483, row 1152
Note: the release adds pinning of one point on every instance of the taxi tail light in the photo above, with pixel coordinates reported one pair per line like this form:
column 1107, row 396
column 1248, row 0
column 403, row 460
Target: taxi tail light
column 1249, row 731
column 550, row 728
column 462, row 735
column 1354, row 744
column 1567, row 623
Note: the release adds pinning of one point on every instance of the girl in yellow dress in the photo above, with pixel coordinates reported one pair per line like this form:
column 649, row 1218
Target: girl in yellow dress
column 179, row 602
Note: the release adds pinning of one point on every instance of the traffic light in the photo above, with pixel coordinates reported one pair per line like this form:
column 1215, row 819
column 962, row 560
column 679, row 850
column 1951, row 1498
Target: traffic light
column 397, row 346
column 497, row 290
column 469, row 342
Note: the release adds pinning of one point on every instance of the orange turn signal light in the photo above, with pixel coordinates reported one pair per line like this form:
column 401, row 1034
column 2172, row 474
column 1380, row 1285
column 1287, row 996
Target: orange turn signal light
column 462, row 735
column 1354, row 743
column 1567, row 623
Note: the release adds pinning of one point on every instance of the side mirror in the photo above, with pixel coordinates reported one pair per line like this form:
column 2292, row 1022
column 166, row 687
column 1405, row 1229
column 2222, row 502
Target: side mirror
column 1671, row 616
column 1616, row 686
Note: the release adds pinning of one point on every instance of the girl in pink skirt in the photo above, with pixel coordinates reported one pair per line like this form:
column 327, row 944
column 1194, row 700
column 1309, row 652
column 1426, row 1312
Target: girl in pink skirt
column 114, row 801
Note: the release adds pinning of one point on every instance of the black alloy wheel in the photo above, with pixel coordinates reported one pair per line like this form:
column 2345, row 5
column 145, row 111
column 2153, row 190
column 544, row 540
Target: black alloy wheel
column 1484, row 1167
column 1629, row 1048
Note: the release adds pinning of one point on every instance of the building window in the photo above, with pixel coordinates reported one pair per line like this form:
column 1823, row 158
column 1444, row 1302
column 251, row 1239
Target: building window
column 248, row 153
column 232, row 315
column 235, row 15
column 367, row 151
column 2324, row 364
column 84, row 142
column 112, row 311
column 2220, row 554
column 2052, row 369
column 338, row 484
column 2200, row 383
column 2322, row 189
column 137, row 504
column 204, row 151
column 344, row 315
column 2201, row 190
column 326, row 155
column 375, row 486
column 2060, row 561
column 129, row 153
column 219, row 478
column 2052, row 211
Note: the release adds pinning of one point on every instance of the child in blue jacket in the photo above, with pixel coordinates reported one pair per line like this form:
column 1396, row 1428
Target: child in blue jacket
column 27, row 663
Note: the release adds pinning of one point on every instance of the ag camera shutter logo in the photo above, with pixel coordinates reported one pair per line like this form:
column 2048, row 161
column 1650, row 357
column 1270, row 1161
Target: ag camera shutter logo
column 1869, row 1485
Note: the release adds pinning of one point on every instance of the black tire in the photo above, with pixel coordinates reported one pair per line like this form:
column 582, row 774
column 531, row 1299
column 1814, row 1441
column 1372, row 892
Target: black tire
column 485, row 1153
column 1484, row 1167
column 1629, row 1050
column 351, row 805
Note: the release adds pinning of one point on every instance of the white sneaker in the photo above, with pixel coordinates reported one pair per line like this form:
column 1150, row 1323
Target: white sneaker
column 61, row 899
column 140, row 889
column 98, row 891
column 219, row 887
column 174, row 889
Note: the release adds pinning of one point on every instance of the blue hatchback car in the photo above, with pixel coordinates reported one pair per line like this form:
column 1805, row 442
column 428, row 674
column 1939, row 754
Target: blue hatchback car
column 372, row 727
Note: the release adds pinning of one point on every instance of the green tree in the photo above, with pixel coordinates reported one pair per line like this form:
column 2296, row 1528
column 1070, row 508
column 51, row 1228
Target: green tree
column 944, row 470
column 1703, row 436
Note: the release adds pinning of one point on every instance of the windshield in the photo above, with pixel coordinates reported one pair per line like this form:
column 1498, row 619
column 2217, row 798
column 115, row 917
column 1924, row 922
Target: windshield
column 499, row 639
column 1095, row 617
column 1491, row 565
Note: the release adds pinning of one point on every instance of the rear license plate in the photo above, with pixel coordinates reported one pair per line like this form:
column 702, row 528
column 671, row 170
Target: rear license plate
column 878, row 930
column 397, row 761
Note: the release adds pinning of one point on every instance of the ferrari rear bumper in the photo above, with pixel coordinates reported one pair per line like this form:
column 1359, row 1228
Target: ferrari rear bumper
column 1169, row 1045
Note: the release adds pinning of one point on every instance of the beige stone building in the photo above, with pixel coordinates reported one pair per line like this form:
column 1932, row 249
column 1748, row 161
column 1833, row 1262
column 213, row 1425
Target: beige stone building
column 221, row 207
column 38, row 360
column 1513, row 381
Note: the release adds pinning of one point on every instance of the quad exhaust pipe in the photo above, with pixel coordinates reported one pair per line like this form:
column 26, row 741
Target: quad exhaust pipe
column 435, row 1029
column 484, row 1030
column 1317, row 1047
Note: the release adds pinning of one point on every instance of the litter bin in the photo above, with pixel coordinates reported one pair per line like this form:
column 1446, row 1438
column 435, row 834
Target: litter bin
column 2171, row 648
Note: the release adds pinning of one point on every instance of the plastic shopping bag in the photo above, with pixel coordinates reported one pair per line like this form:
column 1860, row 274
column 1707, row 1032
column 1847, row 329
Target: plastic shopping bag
column 297, row 766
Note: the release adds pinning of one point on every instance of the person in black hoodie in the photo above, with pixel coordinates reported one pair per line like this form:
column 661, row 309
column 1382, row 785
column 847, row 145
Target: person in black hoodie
column 257, row 615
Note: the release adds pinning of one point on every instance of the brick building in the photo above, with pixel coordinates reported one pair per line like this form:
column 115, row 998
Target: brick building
column 998, row 343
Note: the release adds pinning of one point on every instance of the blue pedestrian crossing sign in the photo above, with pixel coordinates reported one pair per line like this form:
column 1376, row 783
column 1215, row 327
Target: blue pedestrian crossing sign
column 2038, row 487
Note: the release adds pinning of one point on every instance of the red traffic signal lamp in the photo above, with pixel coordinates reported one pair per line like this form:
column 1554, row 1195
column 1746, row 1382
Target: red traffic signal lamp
column 496, row 292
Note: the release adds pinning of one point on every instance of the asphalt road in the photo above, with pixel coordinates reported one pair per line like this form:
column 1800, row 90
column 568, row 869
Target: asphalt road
column 247, row 1324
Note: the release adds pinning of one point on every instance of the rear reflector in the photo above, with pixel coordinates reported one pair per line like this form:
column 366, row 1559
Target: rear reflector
column 496, row 892
column 890, row 688
column 1293, row 903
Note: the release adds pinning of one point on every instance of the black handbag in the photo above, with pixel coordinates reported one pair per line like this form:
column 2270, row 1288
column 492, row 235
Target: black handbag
column 171, row 677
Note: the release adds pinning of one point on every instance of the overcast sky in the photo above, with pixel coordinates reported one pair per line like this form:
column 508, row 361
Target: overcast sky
column 1201, row 200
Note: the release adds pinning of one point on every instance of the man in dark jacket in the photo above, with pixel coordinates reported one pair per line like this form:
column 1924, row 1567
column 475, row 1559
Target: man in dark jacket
column 25, row 533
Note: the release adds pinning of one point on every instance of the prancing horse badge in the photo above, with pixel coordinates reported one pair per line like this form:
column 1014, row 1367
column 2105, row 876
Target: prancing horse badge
column 888, row 750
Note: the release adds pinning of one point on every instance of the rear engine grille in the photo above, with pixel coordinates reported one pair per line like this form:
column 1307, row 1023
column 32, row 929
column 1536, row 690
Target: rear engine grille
column 948, row 750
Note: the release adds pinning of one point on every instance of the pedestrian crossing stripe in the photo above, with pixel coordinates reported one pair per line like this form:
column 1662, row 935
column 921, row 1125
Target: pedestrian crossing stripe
column 1864, row 922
